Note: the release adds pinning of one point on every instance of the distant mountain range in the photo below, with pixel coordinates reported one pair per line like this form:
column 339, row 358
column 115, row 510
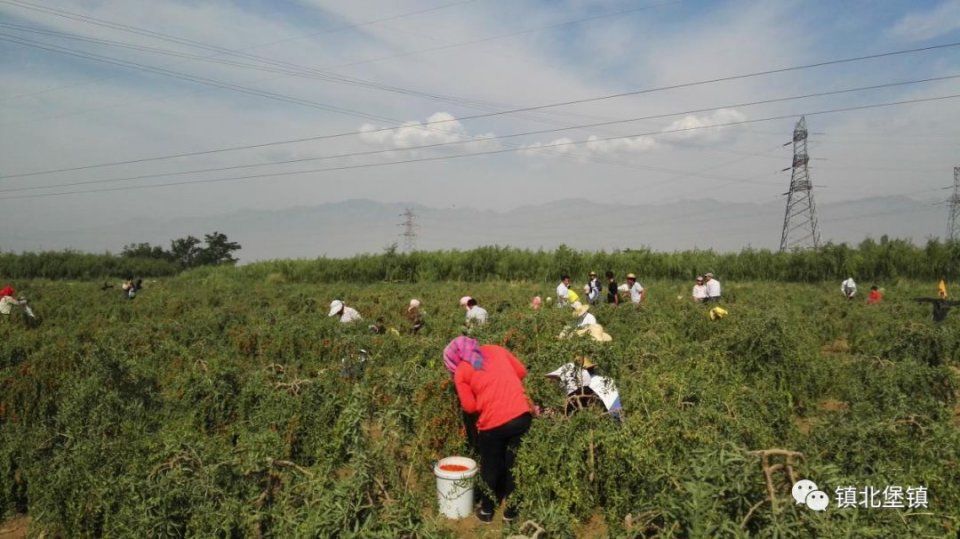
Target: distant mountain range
column 359, row 226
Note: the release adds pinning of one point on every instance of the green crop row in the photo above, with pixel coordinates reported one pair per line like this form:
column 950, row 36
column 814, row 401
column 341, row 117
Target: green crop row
column 226, row 403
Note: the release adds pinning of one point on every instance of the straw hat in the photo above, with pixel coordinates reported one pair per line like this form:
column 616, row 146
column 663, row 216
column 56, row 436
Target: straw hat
column 335, row 307
column 596, row 331
column 586, row 362
column 414, row 304
column 631, row 276
column 580, row 309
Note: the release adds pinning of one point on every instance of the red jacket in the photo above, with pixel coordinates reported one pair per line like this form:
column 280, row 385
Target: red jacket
column 496, row 390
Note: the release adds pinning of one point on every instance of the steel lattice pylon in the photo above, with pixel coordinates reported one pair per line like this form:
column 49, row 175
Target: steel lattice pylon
column 953, row 221
column 409, row 233
column 800, row 221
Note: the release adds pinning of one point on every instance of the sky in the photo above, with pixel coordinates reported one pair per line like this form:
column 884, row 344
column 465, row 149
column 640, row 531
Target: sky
column 87, row 83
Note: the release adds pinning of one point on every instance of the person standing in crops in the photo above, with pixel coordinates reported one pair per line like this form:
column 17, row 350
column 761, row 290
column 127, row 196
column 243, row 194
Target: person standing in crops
column 563, row 291
column 713, row 287
column 347, row 314
column 637, row 292
column 942, row 288
column 613, row 293
column 700, row 291
column 593, row 292
column 488, row 381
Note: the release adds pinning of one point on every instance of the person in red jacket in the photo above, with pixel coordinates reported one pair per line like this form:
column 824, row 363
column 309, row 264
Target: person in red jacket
column 7, row 291
column 876, row 296
column 488, row 380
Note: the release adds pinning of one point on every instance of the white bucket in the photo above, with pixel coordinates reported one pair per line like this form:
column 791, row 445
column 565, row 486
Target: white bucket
column 455, row 488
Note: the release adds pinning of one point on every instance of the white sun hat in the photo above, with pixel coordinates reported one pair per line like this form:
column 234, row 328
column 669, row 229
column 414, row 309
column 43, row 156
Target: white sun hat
column 335, row 307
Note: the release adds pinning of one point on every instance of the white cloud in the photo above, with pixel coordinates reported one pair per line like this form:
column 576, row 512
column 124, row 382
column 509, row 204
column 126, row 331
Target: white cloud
column 439, row 128
column 940, row 20
column 693, row 127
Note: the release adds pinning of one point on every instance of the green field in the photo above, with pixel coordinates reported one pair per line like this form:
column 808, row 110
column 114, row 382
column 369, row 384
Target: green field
column 214, row 404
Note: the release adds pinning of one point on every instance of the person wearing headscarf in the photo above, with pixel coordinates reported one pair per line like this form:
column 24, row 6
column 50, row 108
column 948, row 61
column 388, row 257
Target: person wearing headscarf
column 489, row 382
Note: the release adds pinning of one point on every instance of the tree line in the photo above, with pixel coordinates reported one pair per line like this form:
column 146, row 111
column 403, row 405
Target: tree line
column 135, row 259
column 871, row 260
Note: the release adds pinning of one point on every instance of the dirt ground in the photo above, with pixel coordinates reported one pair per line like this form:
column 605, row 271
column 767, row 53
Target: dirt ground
column 15, row 528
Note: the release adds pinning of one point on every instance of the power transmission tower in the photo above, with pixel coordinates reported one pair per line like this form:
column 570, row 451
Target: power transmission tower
column 800, row 221
column 953, row 221
column 409, row 234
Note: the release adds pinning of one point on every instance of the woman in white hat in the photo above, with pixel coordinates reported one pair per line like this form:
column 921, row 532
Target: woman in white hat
column 346, row 314
column 415, row 316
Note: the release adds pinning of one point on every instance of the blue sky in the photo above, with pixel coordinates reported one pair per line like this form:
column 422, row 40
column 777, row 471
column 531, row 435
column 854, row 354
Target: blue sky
column 58, row 111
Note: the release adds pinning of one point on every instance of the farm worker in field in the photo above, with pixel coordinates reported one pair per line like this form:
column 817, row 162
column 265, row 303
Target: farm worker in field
column 941, row 307
column 942, row 288
column 584, row 317
column 593, row 289
column 7, row 291
column 415, row 316
column 489, row 382
column 637, row 292
column 875, row 296
column 572, row 297
column 346, row 314
column 563, row 291
column 613, row 294
column 536, row 303
column 584, row 386
column 713, row 287
column 8, row 302
column 849, row 288
column 476, row 315
column 700, row 290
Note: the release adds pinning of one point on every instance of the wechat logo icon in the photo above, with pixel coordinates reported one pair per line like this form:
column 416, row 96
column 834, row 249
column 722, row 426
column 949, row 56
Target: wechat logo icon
column 806, row 492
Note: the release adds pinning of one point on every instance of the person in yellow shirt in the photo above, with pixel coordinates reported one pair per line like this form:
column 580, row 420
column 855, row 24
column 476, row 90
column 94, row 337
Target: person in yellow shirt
column 942, row 289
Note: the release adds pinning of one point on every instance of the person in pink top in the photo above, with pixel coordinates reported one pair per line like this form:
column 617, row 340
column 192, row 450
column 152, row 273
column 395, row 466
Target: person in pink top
column 488, row 380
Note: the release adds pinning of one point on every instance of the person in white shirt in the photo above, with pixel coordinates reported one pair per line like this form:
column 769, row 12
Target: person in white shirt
column 713, row 288
column 346, row 314
column 476, row 315
column 584, row 316
column 593, row 289
column 637, row 292
column 849, row 288
column 700, row 291
column 563, row 291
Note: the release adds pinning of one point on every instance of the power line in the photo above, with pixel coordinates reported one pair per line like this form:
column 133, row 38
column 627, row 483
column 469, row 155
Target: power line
column 504, row 112
column 490, row 152
column 472, row 141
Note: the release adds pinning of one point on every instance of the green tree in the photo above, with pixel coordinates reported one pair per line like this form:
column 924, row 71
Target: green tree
column 218, row 250
column 186, row 251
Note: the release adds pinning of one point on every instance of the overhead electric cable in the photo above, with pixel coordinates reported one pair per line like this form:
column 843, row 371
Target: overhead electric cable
column 490, row 152
column 499, row 113
column 474, row 141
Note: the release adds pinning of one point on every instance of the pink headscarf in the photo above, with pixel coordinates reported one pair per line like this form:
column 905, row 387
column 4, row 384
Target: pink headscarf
column 462, row 349
column 536, row 302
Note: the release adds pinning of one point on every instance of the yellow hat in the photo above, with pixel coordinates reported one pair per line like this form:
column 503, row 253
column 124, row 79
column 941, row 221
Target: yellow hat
column 717, row 313
column 586, row 362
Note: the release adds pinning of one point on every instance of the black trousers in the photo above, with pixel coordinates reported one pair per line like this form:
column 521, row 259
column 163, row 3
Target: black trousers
column 498, row 451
